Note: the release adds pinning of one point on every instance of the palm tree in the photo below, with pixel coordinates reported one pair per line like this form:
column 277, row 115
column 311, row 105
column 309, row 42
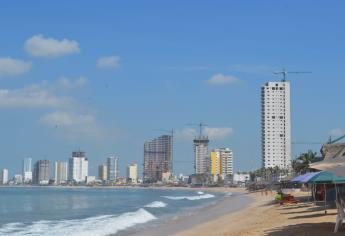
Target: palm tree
column 302, row 162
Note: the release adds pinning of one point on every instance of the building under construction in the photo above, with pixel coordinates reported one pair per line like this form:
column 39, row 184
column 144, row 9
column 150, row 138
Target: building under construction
column 158, row 157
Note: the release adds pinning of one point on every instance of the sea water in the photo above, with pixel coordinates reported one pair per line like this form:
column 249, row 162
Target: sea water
column 92, row 211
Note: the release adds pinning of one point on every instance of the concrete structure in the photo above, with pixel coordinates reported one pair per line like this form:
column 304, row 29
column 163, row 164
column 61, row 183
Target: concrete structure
column 90, row 179
column 276, row 125
column 241, row 178
column 112, row 168
column 201, row 155
column 132, row 173
column 4, row 176
column 158, row 157
column 18, row 179
column 215, row 164
column 41, row 172
column 60, row 172
column 166, row 177
column 103, row 172
column 221, row 162
column 27, row 170
column 78, row 167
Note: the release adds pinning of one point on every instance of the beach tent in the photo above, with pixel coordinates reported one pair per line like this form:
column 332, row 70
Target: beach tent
column 325, row 177
column 304, row 178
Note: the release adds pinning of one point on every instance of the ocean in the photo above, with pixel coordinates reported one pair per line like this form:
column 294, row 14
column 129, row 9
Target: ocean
column 93, row 211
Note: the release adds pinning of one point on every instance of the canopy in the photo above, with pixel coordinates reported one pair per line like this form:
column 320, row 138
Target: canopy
column 326, row 177
column 304, row 178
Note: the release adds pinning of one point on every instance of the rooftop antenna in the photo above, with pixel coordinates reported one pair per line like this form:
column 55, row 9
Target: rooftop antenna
column 284, row 72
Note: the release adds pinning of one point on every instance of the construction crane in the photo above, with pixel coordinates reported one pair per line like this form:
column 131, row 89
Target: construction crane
column 306, row 143
column 284, row 72
column 201, row 125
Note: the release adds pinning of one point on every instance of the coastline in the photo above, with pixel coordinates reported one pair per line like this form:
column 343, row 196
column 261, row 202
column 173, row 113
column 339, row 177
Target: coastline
column 237, row 202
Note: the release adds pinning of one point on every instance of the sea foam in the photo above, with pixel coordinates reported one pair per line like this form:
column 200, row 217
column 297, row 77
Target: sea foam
column 99, row 225
column 156, row 204
column 191, row 198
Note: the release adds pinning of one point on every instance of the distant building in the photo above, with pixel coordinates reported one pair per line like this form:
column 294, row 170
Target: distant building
column 27, row 170
column 158, row 157
column 78, row 167
column 90, row 179
column 112, row 168
column 4, row 176
column 41, row 172
column 102, row 172
column 276, row 125
column 215, row 164
column 201, row 155
column 60, row 172
column 132, row 173
column 241, row 178
column 18, row 179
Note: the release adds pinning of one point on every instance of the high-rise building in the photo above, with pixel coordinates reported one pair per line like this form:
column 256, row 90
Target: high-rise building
column 27, row 170
column 158, row 157
column 201, row 155
column 103, row 172
column 78, row 167
column 221, row 162
column 132, row 173
column 60, row 172
column 112, row 168
column 41, row 172
column 276, row 125
column 4, row 176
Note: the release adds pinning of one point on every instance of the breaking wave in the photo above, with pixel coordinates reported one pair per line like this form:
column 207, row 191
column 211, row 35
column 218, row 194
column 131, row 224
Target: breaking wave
column 191, row 198
column 156, row 204
column 99, row 225
column 200, row 192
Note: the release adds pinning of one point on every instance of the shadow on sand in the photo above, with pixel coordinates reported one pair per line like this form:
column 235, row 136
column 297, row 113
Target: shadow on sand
column 306, row 229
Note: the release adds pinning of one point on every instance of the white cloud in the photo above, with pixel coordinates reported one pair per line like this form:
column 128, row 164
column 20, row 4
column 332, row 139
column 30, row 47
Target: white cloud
column 220, row 79
column 11, row 67
column 74, row 126
column 39, row 46
column 34, row 96
column 212, row 132
column 66, row 83
column 218, row 133
column 336, row 132
column 108, row 62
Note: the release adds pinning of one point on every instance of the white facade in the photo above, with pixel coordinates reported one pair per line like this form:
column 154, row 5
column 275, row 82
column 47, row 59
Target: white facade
column 241, row 178
column 201, row 155
column 27, row 170
column 4, row 176
column 132, row 173
column 226, row 161
column 276, row 125
column 60, row 172
column 78, row 167
column 112, row 168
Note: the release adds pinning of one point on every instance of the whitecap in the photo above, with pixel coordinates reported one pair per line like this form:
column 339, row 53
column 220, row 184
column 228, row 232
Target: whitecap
column 200, row 192
column 191, row 198
column 98, row 225
column 156, row 204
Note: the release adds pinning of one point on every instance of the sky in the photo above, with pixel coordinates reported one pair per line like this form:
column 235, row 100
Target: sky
column 106, row 76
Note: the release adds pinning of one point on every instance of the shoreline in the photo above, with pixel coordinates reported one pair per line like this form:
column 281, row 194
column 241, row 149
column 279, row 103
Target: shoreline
column 173, row 225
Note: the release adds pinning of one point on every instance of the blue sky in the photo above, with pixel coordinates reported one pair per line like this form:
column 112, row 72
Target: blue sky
column 104, row 76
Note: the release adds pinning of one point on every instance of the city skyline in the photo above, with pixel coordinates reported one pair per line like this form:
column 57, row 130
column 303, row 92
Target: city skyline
column 127, row 73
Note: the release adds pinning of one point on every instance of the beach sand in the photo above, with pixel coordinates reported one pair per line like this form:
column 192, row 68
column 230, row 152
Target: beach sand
column 263, row 217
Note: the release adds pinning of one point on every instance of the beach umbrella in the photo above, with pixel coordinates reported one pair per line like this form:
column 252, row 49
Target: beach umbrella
column 325, row 177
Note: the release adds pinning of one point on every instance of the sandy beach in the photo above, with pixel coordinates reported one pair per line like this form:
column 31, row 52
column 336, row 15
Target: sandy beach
column 263, row 217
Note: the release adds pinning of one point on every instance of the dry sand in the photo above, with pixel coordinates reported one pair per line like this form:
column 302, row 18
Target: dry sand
column 263, row 217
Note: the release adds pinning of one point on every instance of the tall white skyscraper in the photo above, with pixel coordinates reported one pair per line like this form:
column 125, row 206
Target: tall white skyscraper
column 276, row 125
column 27, row 170
column 4, row 176
column 60, row 172
column 112, row 168
column 78, row 166
column 201, row 155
